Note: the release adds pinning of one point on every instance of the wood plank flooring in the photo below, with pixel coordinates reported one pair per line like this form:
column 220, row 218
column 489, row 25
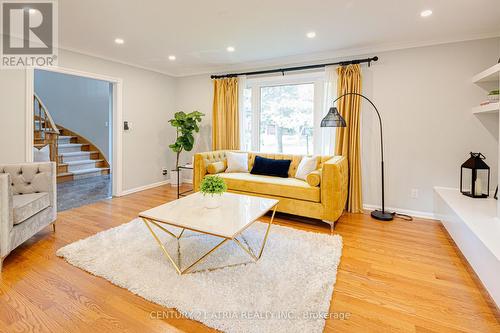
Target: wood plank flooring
column 393, row 277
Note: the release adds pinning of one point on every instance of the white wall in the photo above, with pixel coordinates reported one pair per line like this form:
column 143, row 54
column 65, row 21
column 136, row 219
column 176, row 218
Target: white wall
column 148, row 102
column 79, row 104
column 12, row 116
column 194, row 93
column 425, row 96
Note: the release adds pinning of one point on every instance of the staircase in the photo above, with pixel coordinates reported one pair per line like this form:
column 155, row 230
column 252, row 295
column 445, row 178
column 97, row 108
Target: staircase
column 76, row 157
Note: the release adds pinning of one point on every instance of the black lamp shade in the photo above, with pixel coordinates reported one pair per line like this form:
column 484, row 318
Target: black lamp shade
column 333, row 119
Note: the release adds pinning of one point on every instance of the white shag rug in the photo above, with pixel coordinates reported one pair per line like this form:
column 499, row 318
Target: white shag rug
column 288, row 290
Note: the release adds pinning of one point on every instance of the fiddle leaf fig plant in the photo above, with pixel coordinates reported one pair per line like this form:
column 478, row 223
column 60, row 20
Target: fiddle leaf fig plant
column 185, row 124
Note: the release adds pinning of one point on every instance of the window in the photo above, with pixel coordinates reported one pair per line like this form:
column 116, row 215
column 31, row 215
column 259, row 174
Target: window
column 246, row 136
column 282, row 114
column 286, row 119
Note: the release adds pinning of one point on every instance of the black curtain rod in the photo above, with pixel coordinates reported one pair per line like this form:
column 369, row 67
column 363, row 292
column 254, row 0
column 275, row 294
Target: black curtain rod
column 299, row 68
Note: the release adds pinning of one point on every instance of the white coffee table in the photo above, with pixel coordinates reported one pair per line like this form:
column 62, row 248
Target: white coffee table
column 237, row 213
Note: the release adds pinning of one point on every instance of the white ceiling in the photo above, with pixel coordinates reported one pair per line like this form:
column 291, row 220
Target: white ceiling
column 264, row 33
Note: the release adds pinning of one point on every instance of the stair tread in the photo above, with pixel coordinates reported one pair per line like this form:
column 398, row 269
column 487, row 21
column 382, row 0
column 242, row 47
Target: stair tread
column 81, row 172
column 67, row 136
column 45, row 130
column 81, row 162
column 79, row 153
column 68, row 145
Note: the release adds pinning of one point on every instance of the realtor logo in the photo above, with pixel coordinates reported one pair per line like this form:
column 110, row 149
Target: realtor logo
column 29, row 34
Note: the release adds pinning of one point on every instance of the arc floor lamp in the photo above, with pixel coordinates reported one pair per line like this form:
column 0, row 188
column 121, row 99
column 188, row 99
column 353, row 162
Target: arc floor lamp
column 334, row 119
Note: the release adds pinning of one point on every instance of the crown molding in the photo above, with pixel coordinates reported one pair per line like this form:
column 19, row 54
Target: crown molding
column 94, row 55
column 319, row 57
column 298, row 59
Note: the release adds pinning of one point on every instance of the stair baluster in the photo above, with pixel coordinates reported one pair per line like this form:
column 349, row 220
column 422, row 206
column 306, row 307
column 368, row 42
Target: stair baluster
column 45, row 130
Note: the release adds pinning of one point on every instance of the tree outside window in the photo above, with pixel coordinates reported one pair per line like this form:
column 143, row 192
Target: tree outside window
column 286, row 119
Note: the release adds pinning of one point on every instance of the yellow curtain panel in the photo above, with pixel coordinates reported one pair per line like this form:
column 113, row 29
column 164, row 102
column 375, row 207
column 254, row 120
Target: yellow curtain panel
column 226, row 123
column 347, row 138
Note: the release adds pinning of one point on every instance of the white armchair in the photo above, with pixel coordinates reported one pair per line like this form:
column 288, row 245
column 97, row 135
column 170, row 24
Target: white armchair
column 28, row 202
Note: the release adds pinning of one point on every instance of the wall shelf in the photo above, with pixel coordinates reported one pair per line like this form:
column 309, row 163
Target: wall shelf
column 489, row 108
column 488, row 80
column 491, row 74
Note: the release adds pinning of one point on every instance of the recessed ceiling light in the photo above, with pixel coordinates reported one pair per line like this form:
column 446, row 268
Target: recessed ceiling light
column 426, row 13
column 311, row 34
column 230, row 49
column 32, row 11
column 119, row 41
column 171, row 57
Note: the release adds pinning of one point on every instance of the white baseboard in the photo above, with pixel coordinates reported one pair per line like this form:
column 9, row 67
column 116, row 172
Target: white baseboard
column 414, row 213
column 147, row 187
column 142, row 188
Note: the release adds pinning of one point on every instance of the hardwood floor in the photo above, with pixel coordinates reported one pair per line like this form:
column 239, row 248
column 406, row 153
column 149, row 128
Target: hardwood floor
column 393, row 277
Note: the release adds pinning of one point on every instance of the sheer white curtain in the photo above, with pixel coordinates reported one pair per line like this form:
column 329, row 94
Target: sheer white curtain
column 328, row 133
column 242, row 84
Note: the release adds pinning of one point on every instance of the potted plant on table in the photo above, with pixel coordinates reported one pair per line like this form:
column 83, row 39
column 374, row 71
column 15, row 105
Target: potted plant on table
column 186, row 124
column 212, row 188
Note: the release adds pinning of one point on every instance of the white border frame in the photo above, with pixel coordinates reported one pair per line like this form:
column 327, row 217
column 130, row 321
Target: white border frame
column 117, row 160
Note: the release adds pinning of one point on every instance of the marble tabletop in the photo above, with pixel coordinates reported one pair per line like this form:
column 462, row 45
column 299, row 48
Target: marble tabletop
column 235, row 214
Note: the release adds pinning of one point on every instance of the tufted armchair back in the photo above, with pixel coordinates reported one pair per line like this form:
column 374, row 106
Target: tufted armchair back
column 29, row 177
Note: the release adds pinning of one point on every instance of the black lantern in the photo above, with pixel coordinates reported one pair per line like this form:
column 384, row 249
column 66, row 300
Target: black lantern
column 476, row 173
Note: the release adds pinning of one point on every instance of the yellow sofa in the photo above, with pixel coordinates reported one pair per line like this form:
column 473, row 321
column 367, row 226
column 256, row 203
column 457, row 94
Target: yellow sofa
column 325, row 201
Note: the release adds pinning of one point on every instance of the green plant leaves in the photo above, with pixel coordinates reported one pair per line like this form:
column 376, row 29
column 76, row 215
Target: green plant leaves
column 186, row 124
column 213, row 185
column 176, row 147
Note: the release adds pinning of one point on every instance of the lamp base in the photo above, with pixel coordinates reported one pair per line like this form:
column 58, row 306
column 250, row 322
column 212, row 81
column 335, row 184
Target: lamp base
column 382, row 216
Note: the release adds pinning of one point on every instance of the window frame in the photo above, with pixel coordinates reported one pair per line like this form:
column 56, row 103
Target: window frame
column 256, row 83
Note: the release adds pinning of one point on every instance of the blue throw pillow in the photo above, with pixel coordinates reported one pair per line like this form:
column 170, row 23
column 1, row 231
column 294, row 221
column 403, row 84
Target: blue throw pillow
column 270, row 167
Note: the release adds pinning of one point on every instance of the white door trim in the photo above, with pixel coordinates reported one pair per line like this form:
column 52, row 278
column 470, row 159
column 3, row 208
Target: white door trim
column 117, row 83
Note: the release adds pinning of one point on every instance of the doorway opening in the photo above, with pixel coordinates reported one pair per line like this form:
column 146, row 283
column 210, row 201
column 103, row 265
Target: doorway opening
column 74, row 122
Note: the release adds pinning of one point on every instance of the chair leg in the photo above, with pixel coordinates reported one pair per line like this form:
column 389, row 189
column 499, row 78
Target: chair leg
column 54, row 227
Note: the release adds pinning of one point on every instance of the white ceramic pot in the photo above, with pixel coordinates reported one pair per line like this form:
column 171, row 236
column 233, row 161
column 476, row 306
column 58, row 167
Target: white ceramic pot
column 212, row 201
column 173, row 178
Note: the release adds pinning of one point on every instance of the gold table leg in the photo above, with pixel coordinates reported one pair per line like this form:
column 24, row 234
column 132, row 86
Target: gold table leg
column 248, row 250
column 176, row 265
column 177, row 268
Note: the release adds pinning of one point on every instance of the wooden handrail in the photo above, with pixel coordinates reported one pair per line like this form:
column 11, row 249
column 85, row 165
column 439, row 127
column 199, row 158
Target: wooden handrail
column 48, row 135
column 46, row 115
